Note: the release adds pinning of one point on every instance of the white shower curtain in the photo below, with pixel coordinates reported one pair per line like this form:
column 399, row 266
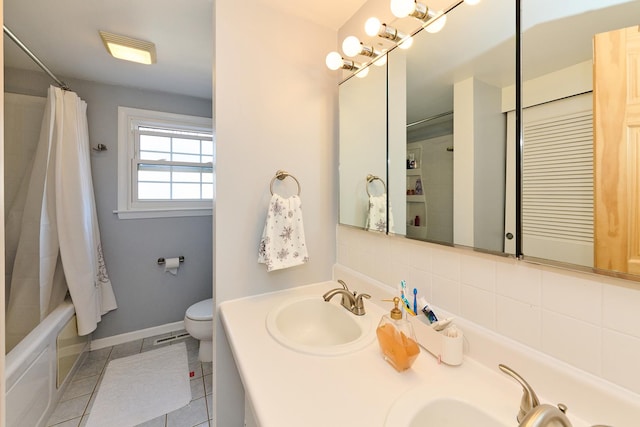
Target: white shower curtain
column 59, row 223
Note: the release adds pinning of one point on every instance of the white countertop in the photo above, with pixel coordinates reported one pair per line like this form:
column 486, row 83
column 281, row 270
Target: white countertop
column 289, row 388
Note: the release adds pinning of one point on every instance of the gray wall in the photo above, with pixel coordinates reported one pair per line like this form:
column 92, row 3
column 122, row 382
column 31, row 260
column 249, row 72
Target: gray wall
column 146, row 295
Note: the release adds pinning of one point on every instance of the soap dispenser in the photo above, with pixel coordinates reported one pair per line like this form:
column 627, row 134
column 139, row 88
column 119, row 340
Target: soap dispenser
column 397, row 339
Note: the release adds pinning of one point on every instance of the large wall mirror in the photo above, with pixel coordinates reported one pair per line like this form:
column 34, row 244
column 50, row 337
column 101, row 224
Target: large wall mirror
column 445, row 109
column 459, row 91
column 580, row 189
column 451, row 129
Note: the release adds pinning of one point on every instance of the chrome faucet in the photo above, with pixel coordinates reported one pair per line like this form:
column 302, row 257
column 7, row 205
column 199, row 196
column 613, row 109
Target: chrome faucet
column 545, row 415
column 532, row 413
column 351, row 301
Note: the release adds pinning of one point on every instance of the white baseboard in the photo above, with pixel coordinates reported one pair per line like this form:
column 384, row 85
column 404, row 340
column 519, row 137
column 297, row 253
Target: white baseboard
column 136, row 335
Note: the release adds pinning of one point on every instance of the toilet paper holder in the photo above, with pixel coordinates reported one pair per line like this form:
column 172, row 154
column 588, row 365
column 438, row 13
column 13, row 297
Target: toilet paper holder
column 161, row 261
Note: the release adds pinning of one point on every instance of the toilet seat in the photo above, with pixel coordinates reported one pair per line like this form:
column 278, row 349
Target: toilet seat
column 201, row 311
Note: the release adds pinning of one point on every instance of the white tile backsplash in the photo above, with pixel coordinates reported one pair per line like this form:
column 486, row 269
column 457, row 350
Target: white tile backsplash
column 419, row 256
column 621, row 309
column 559, row 293
column 519, row 321
column 478, row 305
column 620, row 359
column 446, row 293
column 519, row 281
column 421, row 280
column 573, row 341
column 446, row 264
column 591, row 322
column 478, row 272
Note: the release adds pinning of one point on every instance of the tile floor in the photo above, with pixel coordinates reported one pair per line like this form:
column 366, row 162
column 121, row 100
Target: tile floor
column 75, row 404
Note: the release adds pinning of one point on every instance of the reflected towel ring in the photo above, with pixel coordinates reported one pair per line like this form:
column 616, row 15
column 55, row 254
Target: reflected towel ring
column 282, row 175
column 370, row 179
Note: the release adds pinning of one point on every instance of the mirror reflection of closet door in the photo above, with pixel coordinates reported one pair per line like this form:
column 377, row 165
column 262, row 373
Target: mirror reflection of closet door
column 557, row 180
column 617, row 149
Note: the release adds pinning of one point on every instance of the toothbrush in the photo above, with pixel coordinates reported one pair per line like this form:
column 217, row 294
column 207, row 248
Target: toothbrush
column 403, row 286
column 415, row 303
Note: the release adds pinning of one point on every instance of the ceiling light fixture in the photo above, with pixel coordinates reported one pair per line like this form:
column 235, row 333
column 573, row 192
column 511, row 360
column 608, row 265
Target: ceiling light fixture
column 129, row 49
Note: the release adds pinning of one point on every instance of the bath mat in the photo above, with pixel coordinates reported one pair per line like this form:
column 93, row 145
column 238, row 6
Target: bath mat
column 142, row 387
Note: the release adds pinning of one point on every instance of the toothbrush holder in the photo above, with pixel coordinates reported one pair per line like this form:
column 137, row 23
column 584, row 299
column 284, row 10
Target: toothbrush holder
column 445, row 345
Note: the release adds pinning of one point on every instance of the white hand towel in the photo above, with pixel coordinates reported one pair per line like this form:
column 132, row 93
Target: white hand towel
column 377, row 216
column 283, row 244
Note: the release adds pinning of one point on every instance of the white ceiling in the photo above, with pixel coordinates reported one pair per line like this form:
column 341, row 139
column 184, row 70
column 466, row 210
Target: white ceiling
column 63, row 34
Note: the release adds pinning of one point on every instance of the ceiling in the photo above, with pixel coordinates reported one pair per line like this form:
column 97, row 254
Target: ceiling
column 63, row 34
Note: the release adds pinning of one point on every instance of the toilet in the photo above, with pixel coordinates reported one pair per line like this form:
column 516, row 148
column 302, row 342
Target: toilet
column 198, row 321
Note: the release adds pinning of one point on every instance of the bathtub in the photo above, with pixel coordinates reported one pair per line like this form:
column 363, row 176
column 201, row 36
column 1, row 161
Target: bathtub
column 36, row 370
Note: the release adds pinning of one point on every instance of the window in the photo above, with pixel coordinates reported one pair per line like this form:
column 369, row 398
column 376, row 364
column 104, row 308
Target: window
column 165, row 164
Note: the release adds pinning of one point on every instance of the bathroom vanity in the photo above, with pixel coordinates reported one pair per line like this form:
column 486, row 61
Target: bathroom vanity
column 289, row 386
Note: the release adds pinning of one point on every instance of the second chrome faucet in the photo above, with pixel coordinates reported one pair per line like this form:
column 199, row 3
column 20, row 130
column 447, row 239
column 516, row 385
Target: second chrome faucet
column 352, row 301
column 532, row 413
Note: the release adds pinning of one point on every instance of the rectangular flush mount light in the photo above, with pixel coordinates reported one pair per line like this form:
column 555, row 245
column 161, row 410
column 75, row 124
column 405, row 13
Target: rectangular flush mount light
column 129, row 49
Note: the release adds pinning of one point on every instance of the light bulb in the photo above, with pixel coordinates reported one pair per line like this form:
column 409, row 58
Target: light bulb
column 406, row 43
column 472, row 2
column 351, row 46
column 382, row 59
column 438, row 24
column 334, row 61
column 402, row 8
column 362, row 73
column 372, row 26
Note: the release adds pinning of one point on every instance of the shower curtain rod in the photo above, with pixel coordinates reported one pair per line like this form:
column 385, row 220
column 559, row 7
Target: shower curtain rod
column 428, row 119
column 35, row 59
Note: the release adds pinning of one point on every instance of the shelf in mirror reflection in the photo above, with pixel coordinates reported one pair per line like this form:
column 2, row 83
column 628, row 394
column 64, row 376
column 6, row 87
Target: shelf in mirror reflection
column 419, row 233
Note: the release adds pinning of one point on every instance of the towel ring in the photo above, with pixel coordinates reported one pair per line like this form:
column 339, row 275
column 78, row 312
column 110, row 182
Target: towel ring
column 282, row 175
column 370, row 179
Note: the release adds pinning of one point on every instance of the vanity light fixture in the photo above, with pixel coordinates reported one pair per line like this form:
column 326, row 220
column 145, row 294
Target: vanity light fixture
column 335, row 61
column 433, row 20
column 374, row 27
column 129, row 49
column 362, row 72
column 382, row 58
column 352, row 46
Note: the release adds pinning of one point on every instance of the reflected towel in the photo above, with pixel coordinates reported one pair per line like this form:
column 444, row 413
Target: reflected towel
column 283, row 244
column 377, row 215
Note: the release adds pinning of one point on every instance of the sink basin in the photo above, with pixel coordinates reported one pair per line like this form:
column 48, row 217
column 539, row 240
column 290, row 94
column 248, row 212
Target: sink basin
column 313, row 326
column 445, row 412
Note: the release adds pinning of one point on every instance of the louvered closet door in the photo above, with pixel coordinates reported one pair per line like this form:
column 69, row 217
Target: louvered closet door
column 557, row 184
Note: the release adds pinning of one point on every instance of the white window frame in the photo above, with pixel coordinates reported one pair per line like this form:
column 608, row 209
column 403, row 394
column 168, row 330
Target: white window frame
column 128, row 121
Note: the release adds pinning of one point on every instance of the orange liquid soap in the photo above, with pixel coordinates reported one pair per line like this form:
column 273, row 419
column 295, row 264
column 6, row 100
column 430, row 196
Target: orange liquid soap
column 397, row 340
